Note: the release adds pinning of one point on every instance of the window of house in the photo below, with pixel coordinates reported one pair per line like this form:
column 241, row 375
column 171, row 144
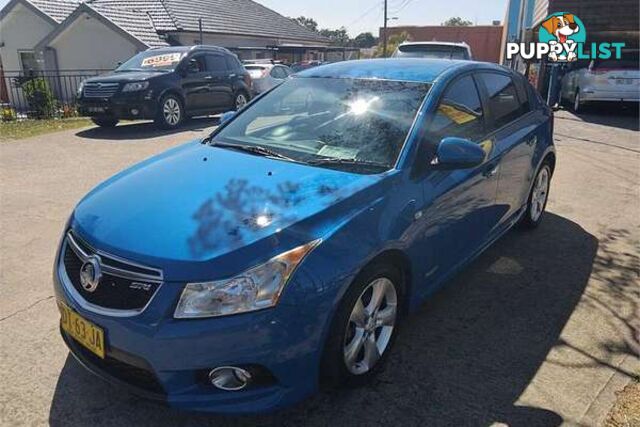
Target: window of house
column 503, row 98
column 459, row 113
column 28, row 60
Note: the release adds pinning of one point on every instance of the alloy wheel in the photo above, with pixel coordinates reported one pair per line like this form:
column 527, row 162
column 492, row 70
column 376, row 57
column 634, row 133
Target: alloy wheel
column 241, row 101
column 171, row 111
column 370, row 326
column 539, row 195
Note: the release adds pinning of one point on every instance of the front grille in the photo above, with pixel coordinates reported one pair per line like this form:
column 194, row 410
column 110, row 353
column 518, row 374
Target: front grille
column 140, row 374
column 123, row 286
column 100, row 90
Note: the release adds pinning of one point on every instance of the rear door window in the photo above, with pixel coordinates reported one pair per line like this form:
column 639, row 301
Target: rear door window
column 504, row 103
column 216, row 63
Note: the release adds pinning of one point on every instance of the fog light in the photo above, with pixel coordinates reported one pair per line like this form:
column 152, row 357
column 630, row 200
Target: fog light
column 229, row 378
column 134, row 111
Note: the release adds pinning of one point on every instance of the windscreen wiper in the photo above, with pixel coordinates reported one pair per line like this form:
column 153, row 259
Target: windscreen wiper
column 340, row 161
column 253, row 149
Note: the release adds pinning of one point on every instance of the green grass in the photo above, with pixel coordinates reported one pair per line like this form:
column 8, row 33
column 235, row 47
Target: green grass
column 27, row 128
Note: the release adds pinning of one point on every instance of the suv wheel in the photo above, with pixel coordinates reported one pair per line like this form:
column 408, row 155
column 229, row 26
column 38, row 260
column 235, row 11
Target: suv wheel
column 364, row 327
column 105, row 122
column 240, row 100
column 577, row 102
column 170, row 112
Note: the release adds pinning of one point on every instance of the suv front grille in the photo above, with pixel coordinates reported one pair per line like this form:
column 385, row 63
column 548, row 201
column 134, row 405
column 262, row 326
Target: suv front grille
column 100, row 90
column 123, row 286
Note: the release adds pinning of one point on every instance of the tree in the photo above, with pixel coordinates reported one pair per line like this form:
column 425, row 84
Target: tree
column 457, row 22
column 338, row 37
column 364, row 40
column 392, row 43
column 308, row 23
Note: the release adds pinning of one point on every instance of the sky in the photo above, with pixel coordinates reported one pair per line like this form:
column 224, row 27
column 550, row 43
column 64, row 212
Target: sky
column 366, row 15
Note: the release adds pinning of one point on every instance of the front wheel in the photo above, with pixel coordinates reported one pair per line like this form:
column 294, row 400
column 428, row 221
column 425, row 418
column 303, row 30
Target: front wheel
column 170, row 113
column 538, row 198
column 577, row 103
column 364, row 327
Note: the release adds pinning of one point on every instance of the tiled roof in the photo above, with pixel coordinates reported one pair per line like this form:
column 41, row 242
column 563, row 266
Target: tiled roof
column 136, row 22
column 162, row 21
column 58, row 10
column 242, row 17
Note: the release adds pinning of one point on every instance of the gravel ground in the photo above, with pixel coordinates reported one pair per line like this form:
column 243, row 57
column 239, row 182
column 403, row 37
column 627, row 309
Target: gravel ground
column 541, row 330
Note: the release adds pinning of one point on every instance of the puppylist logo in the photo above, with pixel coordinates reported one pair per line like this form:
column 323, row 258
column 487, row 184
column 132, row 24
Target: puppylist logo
column 562, row 38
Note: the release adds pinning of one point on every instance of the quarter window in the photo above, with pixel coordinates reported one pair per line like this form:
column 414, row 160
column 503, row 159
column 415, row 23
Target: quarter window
column 459, row 113
column 503, row 99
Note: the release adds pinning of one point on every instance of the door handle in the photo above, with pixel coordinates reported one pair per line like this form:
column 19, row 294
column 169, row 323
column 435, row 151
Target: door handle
column 208, row 77
column 232, row 75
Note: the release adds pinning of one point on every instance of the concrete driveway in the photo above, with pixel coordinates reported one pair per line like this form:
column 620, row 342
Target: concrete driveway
column 541, row 330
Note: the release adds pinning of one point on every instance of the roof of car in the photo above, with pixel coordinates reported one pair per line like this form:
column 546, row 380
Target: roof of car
column 434, row 42
column 190, row 48
column 405, row 69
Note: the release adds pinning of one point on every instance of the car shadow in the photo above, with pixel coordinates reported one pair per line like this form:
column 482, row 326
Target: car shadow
column 463, row 359
column 144, row 130
column 622, row 116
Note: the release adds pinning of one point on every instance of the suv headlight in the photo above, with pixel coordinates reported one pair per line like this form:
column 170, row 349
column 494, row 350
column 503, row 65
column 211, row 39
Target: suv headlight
column 135, row 86
column 80, row 88
column 254, row 289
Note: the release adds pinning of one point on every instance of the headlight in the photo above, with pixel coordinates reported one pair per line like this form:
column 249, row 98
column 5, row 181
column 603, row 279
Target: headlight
column 257, row 288
column 135, row 86
column 80, row 87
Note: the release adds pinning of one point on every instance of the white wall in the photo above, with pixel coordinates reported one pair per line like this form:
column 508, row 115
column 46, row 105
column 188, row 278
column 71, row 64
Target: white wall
column 20, row 29
column 87, row 43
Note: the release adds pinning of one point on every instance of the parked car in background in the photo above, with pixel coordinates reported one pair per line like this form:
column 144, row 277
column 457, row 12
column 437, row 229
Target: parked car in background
column 305, row 65
column 167, row 85
column 603, row 80
column 266, row 74
column 436, row 50
column 237, row 273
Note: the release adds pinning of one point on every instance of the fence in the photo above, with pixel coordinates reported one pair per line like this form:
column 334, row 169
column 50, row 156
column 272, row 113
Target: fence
column 41, row 93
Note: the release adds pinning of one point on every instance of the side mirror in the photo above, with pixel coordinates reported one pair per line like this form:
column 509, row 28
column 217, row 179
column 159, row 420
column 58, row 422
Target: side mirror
column 226, row 116
column 457, row 153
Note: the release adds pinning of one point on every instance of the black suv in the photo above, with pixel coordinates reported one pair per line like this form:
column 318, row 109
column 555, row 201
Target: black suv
column 167, row 85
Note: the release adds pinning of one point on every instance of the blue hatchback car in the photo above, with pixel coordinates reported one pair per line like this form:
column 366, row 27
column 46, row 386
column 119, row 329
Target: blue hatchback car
column 238, row 273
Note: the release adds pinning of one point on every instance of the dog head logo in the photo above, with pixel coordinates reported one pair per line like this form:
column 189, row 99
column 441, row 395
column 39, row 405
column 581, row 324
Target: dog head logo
column 562, row 31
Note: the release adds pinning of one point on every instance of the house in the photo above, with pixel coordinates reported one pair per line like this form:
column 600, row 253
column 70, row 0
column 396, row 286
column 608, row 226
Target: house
column 98, row 34
column 484, row 40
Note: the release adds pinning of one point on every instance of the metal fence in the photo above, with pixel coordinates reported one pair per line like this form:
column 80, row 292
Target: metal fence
column 58, row 86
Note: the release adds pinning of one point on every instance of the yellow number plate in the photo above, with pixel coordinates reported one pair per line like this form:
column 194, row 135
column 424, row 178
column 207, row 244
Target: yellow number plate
column 85, row 332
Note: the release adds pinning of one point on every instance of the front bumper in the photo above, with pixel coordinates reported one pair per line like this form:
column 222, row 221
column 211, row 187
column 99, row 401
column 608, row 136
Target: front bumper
column 161, row 358
column 131, row 107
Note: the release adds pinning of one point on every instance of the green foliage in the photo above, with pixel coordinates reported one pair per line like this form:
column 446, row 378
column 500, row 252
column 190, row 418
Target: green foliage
column 338, row 37
column 40, row 97
column 364, row 40
column 392, row 44
column 456, row 21
column 7, row 113
column 308, row 23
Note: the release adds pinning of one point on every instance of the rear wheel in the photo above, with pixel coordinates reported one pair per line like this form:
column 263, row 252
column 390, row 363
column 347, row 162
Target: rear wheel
column 240, row 100
column 538, row 198
column 170, row 112
column 105, row 121
column 364, row 327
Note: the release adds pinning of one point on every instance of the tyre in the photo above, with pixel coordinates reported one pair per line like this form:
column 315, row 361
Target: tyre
column 538, row 197
column 364, row 327
column 240, row 100
column 105, row 122
column 170, row 112
column 578, row 106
